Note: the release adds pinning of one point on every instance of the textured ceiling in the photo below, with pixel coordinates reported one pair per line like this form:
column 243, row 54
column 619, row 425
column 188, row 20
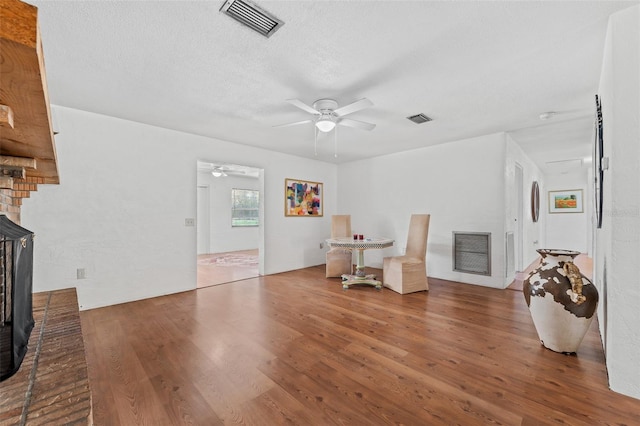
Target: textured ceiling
column 475, row 67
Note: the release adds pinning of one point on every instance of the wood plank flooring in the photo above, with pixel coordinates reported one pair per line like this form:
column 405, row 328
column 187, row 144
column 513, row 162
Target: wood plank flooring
column 295, row 348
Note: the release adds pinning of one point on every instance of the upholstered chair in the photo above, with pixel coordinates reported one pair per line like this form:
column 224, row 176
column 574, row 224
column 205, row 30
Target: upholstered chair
column 408, row 273
column 339, row 260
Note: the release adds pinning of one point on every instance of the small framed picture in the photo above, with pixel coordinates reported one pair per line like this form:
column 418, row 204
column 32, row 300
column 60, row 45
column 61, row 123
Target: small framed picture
column 302, row 198
column 567, row 201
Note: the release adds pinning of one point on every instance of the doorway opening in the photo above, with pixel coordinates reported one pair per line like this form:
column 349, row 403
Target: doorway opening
column 519, row 229
column 229, row 223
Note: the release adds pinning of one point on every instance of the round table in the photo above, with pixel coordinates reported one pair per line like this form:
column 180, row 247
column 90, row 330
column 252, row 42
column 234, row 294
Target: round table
column 360, row 245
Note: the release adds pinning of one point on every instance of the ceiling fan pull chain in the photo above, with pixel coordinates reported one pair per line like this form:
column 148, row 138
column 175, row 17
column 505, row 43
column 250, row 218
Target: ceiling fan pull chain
column 335, row 142
column 315, row 141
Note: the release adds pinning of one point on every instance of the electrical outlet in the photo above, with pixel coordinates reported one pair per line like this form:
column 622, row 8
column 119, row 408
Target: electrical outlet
column 189, row 222
column 81, row 274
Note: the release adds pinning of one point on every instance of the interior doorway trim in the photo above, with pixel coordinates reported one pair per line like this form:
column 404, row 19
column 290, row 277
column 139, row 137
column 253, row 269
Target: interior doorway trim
column 218, row 210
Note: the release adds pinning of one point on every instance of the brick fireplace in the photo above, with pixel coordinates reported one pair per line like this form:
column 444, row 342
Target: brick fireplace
column 51, row 386
column 16, row 305
column 14, row 188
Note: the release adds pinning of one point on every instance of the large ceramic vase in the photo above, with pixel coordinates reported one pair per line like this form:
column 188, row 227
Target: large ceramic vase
column 561, row 300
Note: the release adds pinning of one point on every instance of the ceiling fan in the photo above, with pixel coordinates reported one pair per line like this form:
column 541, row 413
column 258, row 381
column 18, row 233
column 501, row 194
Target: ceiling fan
column 227, row 169
column 327, row 114
column 219, row 172
column 224, row 171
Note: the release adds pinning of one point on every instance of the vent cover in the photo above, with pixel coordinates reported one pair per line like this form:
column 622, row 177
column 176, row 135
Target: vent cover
column 472, row 252
column 252, row 16
column 511, row 255
column 563, row 166
column 419, row 118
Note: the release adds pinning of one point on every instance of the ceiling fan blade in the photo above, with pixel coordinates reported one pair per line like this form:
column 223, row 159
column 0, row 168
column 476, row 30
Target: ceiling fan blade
column 303, row 106
column 353, row 107
column 294, row 124
column 357, row 124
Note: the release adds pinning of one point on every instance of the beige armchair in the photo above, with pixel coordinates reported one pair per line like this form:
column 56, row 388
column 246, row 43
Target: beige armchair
column 408, row 273
column 339, row 260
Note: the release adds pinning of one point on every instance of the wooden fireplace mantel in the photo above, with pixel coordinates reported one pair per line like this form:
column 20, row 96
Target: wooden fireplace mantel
column 27, row 146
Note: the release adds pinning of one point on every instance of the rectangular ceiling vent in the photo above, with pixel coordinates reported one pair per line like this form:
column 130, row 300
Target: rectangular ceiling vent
column 419, row 118
column 252, row 16
column 565, row 164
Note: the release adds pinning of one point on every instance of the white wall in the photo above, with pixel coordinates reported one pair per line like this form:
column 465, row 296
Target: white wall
column 461, row 184
column 618, row 242
column 569, row 230
column 126, row 189
column 222, row 236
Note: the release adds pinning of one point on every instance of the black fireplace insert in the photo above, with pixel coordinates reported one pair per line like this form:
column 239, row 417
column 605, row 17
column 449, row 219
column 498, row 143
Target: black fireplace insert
column 16, row 307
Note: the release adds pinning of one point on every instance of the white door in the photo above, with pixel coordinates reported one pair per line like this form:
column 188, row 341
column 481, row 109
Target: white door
column 519, row 228
column 203, row 221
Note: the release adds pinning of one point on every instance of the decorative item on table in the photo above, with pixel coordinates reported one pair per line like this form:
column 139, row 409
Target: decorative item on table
column 302, row 198
column 360, row 237
column 561, row 300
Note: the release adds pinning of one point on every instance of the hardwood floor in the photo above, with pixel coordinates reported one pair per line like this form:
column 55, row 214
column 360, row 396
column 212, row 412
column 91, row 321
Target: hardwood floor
column 294, row 348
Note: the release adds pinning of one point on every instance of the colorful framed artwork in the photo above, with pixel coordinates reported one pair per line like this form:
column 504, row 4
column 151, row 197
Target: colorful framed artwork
column 302, row 198
column 568, row 201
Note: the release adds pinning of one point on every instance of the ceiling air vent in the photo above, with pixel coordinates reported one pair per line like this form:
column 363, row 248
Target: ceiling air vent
column 252, row 16
column 419, row 118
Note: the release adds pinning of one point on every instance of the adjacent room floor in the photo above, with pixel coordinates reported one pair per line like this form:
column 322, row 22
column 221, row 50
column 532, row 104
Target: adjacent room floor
column 220, row 268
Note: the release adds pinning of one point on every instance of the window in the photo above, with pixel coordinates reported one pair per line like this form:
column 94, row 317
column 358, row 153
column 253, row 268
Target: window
column 244, row 207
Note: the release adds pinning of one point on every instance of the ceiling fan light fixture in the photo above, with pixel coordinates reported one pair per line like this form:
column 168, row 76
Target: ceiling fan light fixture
column 218, row 173
column 325, row 123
